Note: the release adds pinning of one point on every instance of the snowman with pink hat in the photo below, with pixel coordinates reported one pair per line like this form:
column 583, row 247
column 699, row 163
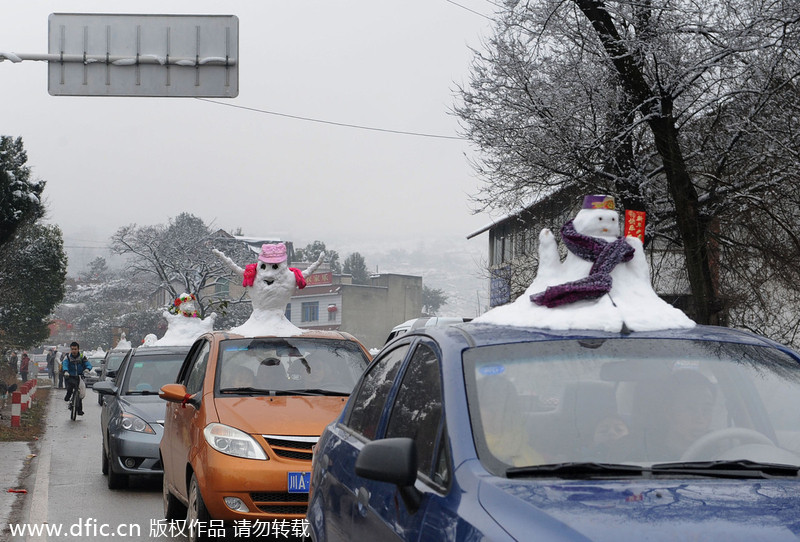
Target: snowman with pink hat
column 270, row 283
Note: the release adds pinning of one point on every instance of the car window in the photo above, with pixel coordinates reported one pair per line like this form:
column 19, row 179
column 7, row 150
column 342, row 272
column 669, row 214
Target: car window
column 370, row 399
column 197, row 371
column 148, row 372
column 639, row 401
column 417, row 409
column 115, row 360
column 316, row 365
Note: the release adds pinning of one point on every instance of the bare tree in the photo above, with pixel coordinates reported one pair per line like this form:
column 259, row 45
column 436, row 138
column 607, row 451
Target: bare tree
column 670, row 105
column 177, row 257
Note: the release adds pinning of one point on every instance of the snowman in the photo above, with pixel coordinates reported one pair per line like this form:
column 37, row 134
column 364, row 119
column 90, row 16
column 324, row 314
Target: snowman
column 183, row 322
column 603, row 283
column 123, row 342
column 270, row 283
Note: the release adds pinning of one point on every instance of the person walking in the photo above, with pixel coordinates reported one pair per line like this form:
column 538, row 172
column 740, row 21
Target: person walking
column 60, row 372
column 12, row 362
column 24, row 365
column 51, row 364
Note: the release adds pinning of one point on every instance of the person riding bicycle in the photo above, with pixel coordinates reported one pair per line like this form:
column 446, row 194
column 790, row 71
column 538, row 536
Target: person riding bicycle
column 74, row 365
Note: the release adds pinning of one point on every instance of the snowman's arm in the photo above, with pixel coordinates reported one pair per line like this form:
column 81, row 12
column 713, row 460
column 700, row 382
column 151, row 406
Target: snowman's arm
column 548, row 250
column 313, row 267
column 227, row 261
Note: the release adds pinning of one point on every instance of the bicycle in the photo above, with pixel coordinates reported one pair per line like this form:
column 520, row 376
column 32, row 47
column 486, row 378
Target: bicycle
column 73, row 401
column 73, row 404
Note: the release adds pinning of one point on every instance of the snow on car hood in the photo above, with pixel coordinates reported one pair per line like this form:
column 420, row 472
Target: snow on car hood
column 654, row 510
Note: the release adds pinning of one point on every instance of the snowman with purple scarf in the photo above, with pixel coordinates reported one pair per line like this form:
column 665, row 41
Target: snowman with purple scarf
column 603, row 283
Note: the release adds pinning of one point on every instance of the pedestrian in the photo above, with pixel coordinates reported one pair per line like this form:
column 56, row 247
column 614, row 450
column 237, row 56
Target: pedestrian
column 60, row 372
column 24, row 364
column 51, row 364
column 12, row 361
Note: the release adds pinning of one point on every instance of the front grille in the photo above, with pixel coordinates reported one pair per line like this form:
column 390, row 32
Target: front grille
column 279, row 497
column 289, row 448
column 293, row 454
column 283, row 510
column 288, row 443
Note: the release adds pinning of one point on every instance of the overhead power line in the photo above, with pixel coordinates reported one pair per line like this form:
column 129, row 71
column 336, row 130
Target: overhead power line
column 470, row 10
column 342, row 124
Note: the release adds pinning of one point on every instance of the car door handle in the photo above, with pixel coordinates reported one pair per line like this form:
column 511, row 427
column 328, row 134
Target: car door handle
column 363, row 500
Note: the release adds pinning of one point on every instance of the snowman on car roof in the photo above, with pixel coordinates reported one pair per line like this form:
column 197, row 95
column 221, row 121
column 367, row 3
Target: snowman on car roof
column 270, row 283
column 602, row 284
column 184, row 324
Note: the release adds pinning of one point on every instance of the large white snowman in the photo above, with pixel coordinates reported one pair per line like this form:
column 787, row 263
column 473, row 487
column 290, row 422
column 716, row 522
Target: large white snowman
column 603, row 283
column 270, row 284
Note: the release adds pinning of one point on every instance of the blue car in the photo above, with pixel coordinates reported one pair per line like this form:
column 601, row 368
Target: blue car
column 477, row 431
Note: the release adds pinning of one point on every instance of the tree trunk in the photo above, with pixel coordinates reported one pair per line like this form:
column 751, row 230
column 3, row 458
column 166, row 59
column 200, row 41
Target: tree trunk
column 658, row 111
column 693, row 229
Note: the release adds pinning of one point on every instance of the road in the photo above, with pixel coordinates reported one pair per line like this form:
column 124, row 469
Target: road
column 70, row 491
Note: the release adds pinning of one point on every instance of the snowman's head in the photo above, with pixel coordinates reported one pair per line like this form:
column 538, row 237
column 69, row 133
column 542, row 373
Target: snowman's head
column 597, row 223
column 274, row 283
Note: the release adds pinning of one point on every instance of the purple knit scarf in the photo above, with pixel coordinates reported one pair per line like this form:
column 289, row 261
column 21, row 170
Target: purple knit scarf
column 605, row 256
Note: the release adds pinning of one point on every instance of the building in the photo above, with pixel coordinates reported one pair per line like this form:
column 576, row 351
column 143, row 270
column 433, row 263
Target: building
column 367, row 311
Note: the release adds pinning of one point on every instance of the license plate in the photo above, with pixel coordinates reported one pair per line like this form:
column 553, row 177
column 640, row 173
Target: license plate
column 299, row 482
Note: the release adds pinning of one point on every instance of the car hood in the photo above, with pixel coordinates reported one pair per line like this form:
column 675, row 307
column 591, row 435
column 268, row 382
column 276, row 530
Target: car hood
column 280, row 415
column 150, row 408
column 653, row 510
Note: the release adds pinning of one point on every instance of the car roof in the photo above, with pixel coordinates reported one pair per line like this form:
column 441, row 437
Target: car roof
column 160, row 350
column 307, row 334
column 482, row 334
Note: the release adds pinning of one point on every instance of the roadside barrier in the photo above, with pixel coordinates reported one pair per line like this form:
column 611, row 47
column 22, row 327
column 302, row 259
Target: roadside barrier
column 21, row 401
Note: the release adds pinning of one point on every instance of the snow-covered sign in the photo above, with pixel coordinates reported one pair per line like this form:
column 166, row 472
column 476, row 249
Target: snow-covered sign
column 141, row 55
column 603, row 284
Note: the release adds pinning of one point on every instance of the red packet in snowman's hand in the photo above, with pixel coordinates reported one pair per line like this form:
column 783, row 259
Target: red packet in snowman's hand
column 634, row 224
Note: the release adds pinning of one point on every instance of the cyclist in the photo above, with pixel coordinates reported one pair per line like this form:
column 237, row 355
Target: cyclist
column 74, row 365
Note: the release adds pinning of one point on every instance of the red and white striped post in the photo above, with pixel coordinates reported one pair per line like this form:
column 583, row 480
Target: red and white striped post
column 16, row 400
column 24, row 403
column 32, row 385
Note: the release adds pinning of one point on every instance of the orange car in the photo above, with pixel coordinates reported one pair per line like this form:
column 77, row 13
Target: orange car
column 242, row 420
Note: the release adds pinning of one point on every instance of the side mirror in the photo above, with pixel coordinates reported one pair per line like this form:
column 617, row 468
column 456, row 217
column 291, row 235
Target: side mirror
column 176, row 393
column 105, row 388
column 392, row 460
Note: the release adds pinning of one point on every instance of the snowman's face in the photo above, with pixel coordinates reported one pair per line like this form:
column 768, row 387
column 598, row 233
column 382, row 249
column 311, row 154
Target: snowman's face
column 268, row 273
column 597, row 222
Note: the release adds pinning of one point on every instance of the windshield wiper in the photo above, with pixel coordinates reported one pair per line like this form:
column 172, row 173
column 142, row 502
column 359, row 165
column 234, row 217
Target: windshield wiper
column 141, row 392
column 244, row 389
column 740, row 468
column 320, row 391
column 576, row 470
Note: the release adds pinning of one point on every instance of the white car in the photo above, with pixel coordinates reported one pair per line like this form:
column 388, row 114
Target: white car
column 426, row 321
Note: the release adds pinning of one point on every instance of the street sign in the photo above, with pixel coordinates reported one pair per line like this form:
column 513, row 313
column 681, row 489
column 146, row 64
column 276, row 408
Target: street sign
column 143, row 55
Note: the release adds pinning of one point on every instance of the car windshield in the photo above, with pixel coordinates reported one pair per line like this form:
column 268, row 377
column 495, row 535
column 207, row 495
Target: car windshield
column 115, row 360
column 148, row 372
column 292, row 364
column 632, row 401
column 96, row 362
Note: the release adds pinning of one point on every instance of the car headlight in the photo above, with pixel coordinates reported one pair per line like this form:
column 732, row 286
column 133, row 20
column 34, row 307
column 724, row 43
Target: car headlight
column 130, row 422
column 231, row 441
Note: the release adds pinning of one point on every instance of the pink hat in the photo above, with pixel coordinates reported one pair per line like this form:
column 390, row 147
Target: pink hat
column 273, row 253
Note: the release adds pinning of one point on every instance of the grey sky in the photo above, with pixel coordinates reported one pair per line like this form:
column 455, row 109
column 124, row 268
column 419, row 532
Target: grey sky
column 386, row 64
